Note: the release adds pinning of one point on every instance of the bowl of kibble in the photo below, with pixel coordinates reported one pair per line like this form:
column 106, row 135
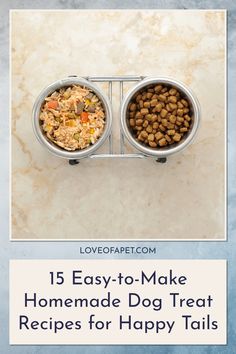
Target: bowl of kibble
column 160, row 116
column 72, row 118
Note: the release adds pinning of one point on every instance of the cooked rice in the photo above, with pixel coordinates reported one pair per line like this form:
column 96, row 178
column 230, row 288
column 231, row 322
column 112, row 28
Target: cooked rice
column 73, row 117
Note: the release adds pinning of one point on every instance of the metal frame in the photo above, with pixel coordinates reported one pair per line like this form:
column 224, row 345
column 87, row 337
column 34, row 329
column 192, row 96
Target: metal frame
column 121, row 154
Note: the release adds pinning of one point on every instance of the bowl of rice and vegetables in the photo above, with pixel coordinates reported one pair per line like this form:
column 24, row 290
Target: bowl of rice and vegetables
column 72, row 118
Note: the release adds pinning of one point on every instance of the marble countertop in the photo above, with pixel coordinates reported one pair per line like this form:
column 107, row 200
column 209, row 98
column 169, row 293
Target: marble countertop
column 119, row 199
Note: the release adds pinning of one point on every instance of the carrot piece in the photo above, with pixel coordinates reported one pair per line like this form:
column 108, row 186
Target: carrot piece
column 84, row 117
column 52, row 104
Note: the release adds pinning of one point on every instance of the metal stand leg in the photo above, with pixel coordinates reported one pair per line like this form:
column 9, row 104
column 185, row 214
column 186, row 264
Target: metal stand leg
column 111, row 134
column 73, row 162
column 161, row 160
column 122, row 141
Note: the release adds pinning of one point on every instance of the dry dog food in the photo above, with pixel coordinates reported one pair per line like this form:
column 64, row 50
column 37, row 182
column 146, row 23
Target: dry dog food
column 159, row 115
column 73, row 117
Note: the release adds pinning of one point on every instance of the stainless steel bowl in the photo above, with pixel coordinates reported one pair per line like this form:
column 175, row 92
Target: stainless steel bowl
column 55, row 149
column 167, row 150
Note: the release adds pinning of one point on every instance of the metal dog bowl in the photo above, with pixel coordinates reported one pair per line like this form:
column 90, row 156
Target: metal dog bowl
column 161, row 152
column 55, row 149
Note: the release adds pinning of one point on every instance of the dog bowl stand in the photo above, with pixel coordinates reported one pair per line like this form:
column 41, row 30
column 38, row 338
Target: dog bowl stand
column 121, row 80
